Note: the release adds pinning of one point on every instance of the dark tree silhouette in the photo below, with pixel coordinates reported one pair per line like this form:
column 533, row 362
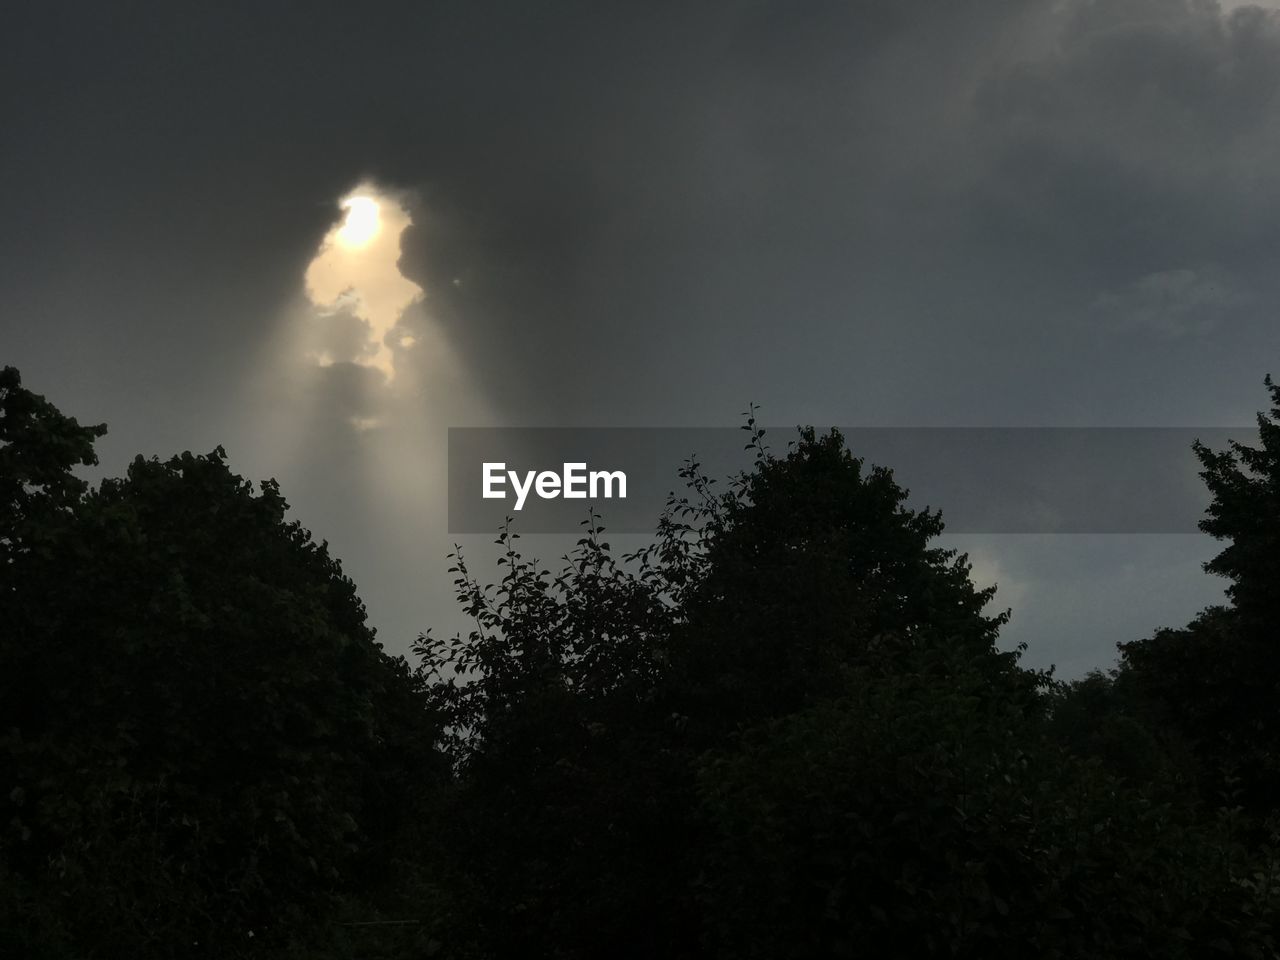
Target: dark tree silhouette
column 785, row 730
column 39, row 446
column 199, row 735
column 814, row 572
column 1217, row 680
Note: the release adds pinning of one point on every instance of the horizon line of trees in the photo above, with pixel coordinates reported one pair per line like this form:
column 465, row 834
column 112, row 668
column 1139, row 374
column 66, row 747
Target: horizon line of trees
column 782, row 729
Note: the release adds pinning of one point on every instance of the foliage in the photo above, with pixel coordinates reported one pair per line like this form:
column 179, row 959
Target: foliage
column 814, row 565
column 200, row 737
column 920, row 817
column 1217, row 681
column 783, row 729
column 1100, row 718
column 1244, row 483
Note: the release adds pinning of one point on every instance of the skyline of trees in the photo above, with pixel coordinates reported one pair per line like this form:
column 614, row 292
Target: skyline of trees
column 783, row 728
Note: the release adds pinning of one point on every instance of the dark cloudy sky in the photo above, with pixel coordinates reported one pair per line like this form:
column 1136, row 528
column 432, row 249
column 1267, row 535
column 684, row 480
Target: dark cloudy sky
column 894, row 213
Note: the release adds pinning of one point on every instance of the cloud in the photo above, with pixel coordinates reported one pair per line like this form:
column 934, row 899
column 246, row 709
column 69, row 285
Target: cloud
column 348, row 392
column 355, row 283
column 875, row 213
column 1145, row 131
column 1174, row 303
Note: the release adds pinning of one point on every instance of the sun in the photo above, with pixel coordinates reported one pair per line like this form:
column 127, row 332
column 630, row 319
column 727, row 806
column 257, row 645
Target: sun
column 362, row 222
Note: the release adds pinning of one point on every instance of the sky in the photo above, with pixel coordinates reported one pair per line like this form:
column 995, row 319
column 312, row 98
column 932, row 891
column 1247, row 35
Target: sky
column 906, row 213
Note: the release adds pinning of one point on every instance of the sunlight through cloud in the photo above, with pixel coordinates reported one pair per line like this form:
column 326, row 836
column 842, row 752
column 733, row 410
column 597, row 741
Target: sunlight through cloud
column 356, row 272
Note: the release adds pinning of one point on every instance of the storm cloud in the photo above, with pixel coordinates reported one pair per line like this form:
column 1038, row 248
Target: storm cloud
column 921, row 213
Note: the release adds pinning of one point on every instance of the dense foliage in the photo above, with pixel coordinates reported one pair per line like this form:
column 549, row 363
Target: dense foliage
column 1217, row 681
column 200, row 736
column 784, row 729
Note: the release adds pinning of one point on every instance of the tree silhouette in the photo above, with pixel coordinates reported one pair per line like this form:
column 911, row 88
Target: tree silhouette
column 1218, row 679
column 785, row 730
column 39, row 446
column 200, row 735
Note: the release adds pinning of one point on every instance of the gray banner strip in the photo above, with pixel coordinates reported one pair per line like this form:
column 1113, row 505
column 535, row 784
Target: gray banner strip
column 984, row 479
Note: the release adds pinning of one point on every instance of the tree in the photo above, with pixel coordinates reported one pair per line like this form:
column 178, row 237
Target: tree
column 814, row 570
column 200, row 735
column 1099, row 718
column 785, row 730
column 920, row 816
column 1244, row 482
column 1217, row 680
column 570, row 800
column 585, row 701
column 39, row 446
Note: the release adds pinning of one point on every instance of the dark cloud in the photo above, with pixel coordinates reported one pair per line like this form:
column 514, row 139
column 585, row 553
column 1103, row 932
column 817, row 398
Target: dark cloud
column 1176, row 303
column 877, row 213
column 1141, row 140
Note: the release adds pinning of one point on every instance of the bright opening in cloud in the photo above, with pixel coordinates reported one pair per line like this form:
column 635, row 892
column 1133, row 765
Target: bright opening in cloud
column 356, row 272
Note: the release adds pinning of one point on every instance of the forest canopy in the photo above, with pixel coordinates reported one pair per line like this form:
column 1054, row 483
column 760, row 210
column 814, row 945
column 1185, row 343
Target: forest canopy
column 784, row 728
